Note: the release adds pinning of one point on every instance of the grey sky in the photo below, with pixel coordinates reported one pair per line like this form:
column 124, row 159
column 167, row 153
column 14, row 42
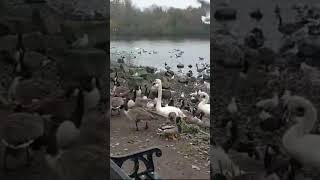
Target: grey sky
column 166, row 3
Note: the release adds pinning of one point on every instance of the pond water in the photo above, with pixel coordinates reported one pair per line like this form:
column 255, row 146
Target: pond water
column 156, row 53
column 269, row 23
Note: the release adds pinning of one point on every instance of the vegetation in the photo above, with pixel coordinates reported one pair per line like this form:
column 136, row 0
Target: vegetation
column 155, row 21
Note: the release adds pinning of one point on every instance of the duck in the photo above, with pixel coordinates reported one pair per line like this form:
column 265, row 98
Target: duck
column 203, row 105
column 269, row 104
column 81, row 42
column 297, row 140
column 137, row 114
column 171, row 132
column 164, row 111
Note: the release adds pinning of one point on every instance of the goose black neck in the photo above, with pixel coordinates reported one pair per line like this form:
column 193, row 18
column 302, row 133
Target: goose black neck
column 79, row 111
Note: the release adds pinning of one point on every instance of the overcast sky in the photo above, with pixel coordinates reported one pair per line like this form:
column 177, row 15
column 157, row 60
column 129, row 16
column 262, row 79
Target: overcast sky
column 166, row 3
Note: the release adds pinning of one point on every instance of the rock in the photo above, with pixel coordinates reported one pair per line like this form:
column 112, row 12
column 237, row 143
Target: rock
column 50, row 24
column 33, row 60
column 180, row 66
column 4, row 29
column 309, row 48
column 8, row 43
column 37, row 41
column 82, row 63
column 34, row 1
column 151, row 69
column 225, row 13
column 20, row 24
column 55, row 42
column 31, row 89
column 33, row 41
column 227, row 54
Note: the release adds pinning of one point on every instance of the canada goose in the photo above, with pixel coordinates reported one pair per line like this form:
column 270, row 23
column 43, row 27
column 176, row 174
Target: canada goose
column 137, row 114
column 164, row 111
column 171, row 132
column 20, row 131
column 116, row 103
column 119, row 91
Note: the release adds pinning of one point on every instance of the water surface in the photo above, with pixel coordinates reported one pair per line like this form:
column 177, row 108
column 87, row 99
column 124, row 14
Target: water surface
column 164, row 52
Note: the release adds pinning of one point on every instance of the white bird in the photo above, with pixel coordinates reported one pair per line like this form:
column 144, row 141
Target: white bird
column 92, row 97
column 203, row 105
column 67, row 134
column 297, row 140
column 164, row 111
column 81, row 42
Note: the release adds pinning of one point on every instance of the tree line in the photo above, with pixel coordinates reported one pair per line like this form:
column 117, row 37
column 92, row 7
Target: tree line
column 155, row 21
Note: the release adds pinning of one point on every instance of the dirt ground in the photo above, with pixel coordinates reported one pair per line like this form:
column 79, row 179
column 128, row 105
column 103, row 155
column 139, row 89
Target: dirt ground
column 180, row 159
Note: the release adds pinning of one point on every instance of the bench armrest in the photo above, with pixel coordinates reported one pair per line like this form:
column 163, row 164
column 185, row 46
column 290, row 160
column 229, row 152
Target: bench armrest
column 146, row 156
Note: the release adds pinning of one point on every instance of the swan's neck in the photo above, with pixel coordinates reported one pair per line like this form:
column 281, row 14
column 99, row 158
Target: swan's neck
column 310, row 118
column 203, row 102
column 159, row 96
column 303, row 127
column 279, row 19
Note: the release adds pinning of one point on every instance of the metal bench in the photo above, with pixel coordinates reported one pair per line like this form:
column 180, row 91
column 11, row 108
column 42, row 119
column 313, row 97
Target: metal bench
column 145, row 156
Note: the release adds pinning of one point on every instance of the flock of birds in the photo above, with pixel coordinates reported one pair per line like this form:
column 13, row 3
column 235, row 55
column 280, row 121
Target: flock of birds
column 145, row 102
column 298, row 143
column 63, row 124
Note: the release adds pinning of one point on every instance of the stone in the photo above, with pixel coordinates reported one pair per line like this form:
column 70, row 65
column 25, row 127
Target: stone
column 8, row 43
column 225, row 13
column 33, row 41
column 50, row 24
column 82, row 63
column 33, row 60
column 55, row 42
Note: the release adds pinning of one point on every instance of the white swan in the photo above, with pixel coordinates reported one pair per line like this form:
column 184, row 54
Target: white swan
column 164, row 111
column 301, row 145
column 203, row 105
